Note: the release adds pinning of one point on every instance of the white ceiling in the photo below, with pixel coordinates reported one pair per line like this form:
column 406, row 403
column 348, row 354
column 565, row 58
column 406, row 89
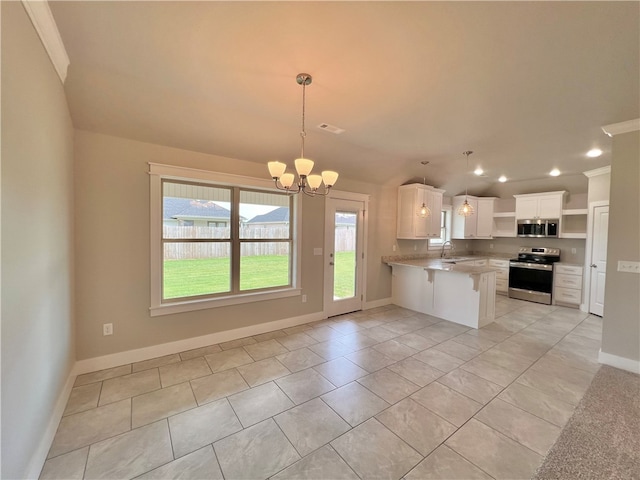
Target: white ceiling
column 525, row 85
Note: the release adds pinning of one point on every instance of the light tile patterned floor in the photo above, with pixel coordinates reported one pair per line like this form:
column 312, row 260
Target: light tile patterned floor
column 385, row 393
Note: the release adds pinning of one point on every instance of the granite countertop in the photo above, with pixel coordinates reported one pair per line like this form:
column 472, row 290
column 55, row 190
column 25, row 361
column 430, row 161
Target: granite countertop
column 444, row 264
column 461, row 257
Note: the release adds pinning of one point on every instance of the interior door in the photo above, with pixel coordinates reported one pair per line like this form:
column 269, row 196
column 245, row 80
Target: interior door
column 598, row 263
column 344, row 255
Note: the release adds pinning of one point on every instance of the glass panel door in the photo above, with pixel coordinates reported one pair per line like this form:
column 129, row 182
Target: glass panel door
column 345, row 239
column 344, row 255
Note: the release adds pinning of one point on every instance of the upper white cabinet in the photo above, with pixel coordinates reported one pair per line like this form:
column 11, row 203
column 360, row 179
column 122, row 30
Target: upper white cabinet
column 484, row 227
column 434, row 197
column 478, row 225
column 539, row 205
column 410, row 224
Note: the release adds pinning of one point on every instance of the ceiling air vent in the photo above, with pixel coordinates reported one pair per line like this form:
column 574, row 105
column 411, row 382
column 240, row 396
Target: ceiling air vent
column 331, row 128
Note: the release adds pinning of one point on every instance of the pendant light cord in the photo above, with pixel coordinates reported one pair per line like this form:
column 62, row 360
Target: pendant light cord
column 466, row 181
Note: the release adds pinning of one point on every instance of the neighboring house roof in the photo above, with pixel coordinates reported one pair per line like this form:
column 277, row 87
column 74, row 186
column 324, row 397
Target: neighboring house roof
column 174, row 207
column 279, row 215
column 345, row 219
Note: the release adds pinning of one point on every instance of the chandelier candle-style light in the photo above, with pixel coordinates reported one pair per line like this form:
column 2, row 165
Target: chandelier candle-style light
column 307, row 183
column 465, row 209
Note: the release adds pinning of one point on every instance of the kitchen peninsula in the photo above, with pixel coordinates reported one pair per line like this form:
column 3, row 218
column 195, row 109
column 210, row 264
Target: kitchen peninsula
column 451, row 289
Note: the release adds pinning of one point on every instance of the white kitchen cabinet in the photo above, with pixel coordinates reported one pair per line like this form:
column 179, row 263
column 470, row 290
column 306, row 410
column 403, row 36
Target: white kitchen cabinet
column 484, row 226
column 567, row 284
column 412, row 226
column 539, row 205
column 454, row 295
column 477, row 225
column 434, row 197
column 502, row 275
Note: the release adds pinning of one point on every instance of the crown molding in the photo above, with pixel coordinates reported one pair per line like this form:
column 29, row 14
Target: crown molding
column 597, row 171
column 622, row 127
column 44, row 23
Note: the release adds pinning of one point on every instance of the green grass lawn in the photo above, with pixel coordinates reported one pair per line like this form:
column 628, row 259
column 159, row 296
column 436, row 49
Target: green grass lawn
column 188, row 278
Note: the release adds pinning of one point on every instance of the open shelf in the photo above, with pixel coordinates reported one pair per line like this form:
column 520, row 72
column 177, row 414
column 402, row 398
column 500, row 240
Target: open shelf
column 574, row 223
column 504, row 224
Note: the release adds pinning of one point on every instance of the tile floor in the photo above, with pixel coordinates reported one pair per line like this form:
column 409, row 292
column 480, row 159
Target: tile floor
column 385, row 393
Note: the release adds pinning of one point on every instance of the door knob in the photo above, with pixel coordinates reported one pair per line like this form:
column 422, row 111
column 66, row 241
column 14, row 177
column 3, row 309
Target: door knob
column 330, row 263
column 593, row 265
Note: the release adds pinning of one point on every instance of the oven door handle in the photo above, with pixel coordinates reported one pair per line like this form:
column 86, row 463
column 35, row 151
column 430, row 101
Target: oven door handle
column 531, row 266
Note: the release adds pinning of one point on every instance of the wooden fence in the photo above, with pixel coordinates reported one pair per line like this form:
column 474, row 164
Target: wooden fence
column 345, row 241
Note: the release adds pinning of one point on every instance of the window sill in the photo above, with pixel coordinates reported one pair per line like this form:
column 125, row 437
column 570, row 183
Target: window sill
column 192, row 305
column 438, row 247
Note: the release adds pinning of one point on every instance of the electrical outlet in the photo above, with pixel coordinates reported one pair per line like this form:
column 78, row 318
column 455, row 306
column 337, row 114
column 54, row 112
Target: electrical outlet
column 304, row 299
column 107, row 329
column 573, row 251
column 415, row 247
column 491, row 245
column 317, row 251
column 394, row 247
column 629, row 267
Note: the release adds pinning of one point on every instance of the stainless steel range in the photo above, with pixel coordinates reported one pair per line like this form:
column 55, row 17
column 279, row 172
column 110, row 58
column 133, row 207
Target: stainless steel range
column 531, row 274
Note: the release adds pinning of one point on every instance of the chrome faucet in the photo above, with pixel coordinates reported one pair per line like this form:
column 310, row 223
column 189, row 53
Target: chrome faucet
column 453, row 248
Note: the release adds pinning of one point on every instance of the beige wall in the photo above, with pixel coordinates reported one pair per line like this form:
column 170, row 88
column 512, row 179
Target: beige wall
column 621, row 324
column 510, row 246
column 112, row 248
column 599, row 187
column 37, row 242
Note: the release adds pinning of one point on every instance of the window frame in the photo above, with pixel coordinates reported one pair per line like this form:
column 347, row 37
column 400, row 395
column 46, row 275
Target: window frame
column 160, row 172
column 448, row 212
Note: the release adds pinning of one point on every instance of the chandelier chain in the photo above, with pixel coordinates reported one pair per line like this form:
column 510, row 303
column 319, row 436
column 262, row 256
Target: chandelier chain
column 303, row 133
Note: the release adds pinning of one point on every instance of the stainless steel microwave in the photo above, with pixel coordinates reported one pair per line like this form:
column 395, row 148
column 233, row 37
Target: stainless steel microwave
column 538, row 227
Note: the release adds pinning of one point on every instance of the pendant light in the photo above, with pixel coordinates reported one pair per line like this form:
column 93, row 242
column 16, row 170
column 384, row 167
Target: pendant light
column 307, row 183
column 465, row 209
column 424, row 211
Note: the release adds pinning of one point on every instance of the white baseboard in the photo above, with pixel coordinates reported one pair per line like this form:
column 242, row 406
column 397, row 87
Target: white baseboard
column 619, row 362
column 146, row 353
column 42, row 449
column 377, row 303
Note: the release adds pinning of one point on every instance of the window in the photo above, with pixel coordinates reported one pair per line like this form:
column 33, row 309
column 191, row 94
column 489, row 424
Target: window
column 445, row 228
column 216, row 243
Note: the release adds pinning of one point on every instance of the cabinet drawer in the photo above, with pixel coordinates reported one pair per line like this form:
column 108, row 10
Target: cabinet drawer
column 480, row 263
column 493, row 262
column 567, row 295
column 568, row 281
column 568, row 269
column 501, row 285
column 502, row 274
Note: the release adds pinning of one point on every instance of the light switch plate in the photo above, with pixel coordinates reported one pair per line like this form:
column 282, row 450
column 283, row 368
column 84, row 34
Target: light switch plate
column 317, row 251
column 629, row 267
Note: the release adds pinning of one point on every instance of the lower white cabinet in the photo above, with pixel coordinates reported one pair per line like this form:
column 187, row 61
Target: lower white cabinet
column 502, row 275
column 567, row 284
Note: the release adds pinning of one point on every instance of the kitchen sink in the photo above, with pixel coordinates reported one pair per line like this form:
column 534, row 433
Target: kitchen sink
column 454, row 259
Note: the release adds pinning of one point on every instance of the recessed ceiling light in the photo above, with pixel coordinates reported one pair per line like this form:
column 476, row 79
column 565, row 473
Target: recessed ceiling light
column 555, row 172
column 594, row 153
column 502, row 179
column 478, row 171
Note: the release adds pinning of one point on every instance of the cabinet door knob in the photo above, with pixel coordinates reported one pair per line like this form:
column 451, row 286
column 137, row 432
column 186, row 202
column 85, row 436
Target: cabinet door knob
column 593, row 265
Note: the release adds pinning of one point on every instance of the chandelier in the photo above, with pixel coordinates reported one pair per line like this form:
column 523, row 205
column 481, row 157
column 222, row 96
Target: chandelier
column 465, row 209
column 306, row 183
